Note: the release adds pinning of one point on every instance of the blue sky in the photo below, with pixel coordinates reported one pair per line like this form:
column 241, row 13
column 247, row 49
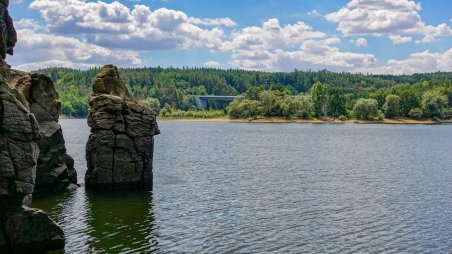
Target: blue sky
column 376, row 36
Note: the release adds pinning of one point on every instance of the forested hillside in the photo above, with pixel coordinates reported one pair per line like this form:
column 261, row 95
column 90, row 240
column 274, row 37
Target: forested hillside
column 174, row 88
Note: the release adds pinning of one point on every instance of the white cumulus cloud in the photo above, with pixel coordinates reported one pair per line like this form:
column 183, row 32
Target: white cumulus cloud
column 385, row 17
column 397, row 39
column 212, row 64
column 420, row 62
column 115, row 25
column 39, row 50
column 361, row 42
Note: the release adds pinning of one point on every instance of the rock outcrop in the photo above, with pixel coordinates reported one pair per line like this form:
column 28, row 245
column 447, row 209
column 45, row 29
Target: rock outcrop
column 55, row 170
column 119, row 151
column 22, row 229
column 8, row 35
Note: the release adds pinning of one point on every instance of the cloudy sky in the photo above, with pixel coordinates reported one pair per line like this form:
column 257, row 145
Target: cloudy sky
column 375, row 36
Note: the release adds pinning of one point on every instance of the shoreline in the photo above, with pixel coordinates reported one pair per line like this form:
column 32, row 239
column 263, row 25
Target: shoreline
column 284, row 120
column 314, row 120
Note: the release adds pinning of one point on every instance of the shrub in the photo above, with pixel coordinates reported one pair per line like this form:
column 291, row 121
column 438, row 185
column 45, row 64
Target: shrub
column 434, row 104
column 448, row 113
column 415, row 113
column 366, row 109
column 342, row 118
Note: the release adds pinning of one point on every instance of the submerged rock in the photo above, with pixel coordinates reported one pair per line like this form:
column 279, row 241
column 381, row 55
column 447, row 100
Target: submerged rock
column 32, row 231
column 119, row 151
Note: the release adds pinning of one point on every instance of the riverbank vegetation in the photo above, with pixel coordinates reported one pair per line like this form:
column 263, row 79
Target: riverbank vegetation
column 292, row 95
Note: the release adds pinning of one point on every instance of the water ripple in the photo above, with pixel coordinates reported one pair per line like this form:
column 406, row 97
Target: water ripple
column 265, row 188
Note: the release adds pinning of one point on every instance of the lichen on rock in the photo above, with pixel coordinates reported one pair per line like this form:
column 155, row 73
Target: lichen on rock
column 119, row 151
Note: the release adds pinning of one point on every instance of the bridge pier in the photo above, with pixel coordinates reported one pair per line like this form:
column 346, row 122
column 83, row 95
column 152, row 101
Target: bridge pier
column 201, row 103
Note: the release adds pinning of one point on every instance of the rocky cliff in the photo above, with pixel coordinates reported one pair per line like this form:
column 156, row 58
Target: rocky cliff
column 55, row 170
column 22, row 229
column 119, row 151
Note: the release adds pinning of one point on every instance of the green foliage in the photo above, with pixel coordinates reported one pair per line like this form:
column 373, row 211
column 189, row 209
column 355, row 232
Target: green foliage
column 303, row 106
column 366, row 109
column 409, row 99
column 416, row 113
column 176, row 88
column 392, row 106
column 319, row 98
column 336, row 102
column 271, row 101
column 380, row 96
column 342, row 118
column 151, row 102
column 434, row 104
column 447, row 113
column 271, row 104
column 168, row 111
column 244, row 108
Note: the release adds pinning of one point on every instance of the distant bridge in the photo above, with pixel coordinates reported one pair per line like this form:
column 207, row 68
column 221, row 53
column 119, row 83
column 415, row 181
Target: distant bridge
column 201, row 100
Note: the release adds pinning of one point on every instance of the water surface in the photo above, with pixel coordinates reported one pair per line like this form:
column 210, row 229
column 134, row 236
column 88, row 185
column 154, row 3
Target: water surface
column 277, row 188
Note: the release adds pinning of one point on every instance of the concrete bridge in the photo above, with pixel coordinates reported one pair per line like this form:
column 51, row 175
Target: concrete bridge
column 201, row 100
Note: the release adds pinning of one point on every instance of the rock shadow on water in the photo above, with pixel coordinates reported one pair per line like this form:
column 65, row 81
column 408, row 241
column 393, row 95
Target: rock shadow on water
column 99, row 222
column 121, row 221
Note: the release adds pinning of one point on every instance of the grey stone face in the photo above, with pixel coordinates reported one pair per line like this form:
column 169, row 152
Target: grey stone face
column 120, row 148
column 8, row 35
column 22, row 230
column 38, row 92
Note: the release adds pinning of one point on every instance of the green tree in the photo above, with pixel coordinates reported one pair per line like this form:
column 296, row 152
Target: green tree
column 434, row 104
column 392, row 106
column 253, row 92
column 303, row 105
column 271, row 102
column 336, row 102
column 380, row 96
column 366, row 109
column 409, row 99
column 244, row 108
column 319, row 98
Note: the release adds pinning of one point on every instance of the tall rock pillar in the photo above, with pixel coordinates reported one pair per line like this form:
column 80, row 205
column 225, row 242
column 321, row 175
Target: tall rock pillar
column 119, row 151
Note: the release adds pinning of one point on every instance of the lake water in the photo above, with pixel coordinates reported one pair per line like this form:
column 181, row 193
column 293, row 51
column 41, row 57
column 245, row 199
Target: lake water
column 271, row 188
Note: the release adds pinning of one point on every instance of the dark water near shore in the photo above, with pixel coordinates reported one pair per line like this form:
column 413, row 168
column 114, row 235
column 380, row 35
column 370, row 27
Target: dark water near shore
column 271, row 188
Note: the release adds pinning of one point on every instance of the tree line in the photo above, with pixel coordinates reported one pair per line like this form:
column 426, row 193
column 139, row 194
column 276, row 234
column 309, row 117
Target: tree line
column 416, row 101
column 296, row 94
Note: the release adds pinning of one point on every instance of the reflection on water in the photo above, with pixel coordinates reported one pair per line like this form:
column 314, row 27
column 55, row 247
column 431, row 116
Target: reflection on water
column 121, row 222
column 271, row 188
column 104, row 222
